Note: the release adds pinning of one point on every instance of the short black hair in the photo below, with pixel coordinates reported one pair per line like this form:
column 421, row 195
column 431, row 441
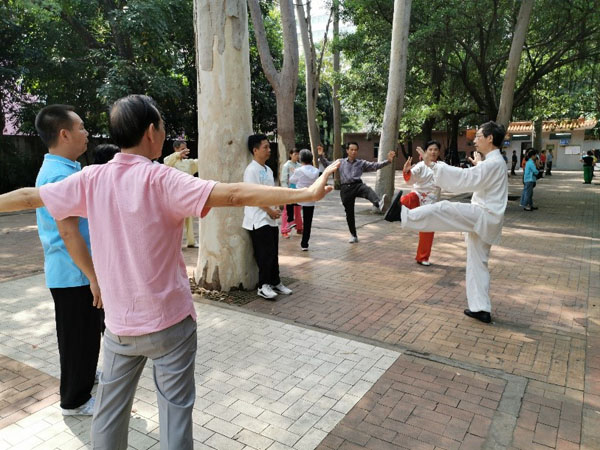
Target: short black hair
column 352, row 143
column 177, row 143
column 50, row 120
column 254, row 141
column 294, row 150
column 531, row 153
column 103, row 153
column 130, row 117
column 306, row 156
column 433, row 142
column 497, row 131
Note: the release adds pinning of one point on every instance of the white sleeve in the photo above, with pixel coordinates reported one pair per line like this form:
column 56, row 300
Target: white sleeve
column 455, row 179
column 251, row 176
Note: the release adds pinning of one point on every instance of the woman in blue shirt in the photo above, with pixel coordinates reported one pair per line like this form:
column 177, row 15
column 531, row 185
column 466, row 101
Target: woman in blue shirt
column 529, row 179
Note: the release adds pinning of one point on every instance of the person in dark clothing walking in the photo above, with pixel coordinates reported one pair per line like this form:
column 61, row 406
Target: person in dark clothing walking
column 514, row 163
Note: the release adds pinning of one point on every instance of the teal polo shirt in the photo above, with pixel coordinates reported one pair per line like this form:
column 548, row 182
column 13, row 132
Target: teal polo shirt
column 61, row 271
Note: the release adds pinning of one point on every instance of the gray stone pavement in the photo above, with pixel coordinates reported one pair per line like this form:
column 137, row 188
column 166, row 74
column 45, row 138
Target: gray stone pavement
column 371, row 350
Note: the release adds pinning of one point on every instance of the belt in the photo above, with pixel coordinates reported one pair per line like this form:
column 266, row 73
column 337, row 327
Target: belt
column 350, row 184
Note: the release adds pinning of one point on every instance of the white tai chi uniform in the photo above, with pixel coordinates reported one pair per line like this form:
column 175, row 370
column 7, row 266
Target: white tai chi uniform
column 481, row 220
column 423, row 184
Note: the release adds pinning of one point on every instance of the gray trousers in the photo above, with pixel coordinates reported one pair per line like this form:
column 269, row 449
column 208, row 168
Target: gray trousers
column 173, row 352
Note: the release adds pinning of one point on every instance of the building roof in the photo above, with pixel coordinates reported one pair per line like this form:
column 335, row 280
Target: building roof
column 553, row 125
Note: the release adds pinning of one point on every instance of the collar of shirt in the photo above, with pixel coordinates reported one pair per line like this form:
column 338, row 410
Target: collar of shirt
column 129, row 158
column 63, row 160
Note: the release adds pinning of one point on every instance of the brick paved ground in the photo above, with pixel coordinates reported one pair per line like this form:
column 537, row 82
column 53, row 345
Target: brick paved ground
column 530, row 380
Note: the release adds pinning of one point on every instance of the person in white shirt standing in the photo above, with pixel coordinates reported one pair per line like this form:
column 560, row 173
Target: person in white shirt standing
column 481, row 220
column 261, row 222
column 424, row 192
column 304, row 177
column 180, row 160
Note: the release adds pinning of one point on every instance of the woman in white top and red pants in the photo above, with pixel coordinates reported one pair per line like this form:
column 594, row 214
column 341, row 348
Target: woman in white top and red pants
column 424, row 192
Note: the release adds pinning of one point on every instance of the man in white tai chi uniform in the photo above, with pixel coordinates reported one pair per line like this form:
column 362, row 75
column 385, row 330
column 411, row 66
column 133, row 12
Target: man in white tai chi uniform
column 481, row 220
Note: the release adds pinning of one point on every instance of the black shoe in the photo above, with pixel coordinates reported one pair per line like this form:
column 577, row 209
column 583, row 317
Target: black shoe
column 534, row 208
column 483, row 316
column 393, row 214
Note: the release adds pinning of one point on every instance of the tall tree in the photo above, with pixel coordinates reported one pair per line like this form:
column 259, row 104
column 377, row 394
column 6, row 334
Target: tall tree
column 514, row 59
column 395, row 95
column 337, row 110
column 225, row 260
column 284, row 82
column 313, row 66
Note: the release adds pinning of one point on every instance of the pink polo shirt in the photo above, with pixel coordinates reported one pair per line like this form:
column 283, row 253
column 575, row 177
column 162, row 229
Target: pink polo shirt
column 136, row 211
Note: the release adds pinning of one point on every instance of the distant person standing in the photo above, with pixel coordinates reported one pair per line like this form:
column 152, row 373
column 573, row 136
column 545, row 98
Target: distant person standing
column 542, row 165
column 304, row 177
column 529, row 181
column 292, row 214
column 549, row 159
column 513, row 163
column 588, row 165
column 351, row 170
column 181, row 161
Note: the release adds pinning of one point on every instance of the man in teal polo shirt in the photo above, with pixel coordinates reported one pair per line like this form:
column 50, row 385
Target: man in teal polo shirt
column 68, row 264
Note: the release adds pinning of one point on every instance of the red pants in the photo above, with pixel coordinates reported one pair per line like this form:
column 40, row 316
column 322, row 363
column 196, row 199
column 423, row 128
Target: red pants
column 425, row 238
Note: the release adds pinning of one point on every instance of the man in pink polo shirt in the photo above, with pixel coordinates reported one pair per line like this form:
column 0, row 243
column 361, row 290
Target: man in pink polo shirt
column 130, row 203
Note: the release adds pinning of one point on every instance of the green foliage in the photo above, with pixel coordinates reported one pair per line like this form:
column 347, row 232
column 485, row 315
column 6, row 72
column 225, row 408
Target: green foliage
column 458, row 52
column 89, row 54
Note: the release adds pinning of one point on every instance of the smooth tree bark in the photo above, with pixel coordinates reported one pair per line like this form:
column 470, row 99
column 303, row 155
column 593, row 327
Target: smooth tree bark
column 395, row 97
column 284, row 82
column 225, row 258
column 337, row 110
column 514, row 59
column 313, row 71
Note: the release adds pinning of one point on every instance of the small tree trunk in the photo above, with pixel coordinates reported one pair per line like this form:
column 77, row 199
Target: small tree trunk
column 537, row 130
column 395, row 96
column 337, row 111
column 514, row 59
column 285, row 82
column 225, row 259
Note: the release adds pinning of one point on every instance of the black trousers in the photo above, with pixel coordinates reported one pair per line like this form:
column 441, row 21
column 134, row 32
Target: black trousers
column 307, row 217
column 78, row 327
column 265, row 241
column 348, row 194
column 512, row 168
column 549, row 168
column 289, row 209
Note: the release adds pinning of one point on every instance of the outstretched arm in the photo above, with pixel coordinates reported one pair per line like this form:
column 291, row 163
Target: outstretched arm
column 247, row 194
column 21, row 199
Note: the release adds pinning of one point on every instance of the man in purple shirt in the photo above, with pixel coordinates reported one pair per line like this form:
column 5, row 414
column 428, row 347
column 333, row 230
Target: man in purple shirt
column 130, row 203
column 351, row 169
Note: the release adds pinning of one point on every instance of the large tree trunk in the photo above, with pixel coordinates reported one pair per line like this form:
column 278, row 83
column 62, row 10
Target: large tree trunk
column 337, row 111
column 285, row 82
column 514, row 59
column 395, row 96
column 225, row 259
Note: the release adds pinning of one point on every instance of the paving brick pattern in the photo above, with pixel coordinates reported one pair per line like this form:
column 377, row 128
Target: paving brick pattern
column 419, row 404
column 21, row 251
column 260, row 383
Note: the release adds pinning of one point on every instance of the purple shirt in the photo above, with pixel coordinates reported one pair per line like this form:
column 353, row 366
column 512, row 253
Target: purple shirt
column 136, row 211
column 350, row 172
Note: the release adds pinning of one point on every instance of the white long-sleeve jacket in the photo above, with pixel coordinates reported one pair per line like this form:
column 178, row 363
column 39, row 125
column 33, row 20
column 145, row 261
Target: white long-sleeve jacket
column 488, row 181
column 422, row 182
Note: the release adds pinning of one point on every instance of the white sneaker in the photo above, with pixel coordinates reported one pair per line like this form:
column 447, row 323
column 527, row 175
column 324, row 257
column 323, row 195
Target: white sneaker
column 87, row 409
column 281, row 289
column 353, row 240
column 382, row 202
column 266, row 292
